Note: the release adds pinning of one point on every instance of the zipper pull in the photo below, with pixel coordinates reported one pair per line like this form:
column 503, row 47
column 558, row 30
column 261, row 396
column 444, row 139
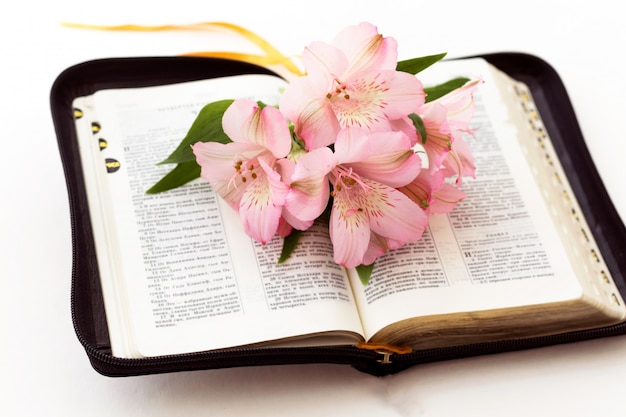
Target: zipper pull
column 386, row 359
column 385, row 351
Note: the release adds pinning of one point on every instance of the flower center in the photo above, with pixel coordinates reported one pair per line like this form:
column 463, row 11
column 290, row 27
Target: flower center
column 245, row 171
column 341, row 91
column 344, row 180
column 358, row 103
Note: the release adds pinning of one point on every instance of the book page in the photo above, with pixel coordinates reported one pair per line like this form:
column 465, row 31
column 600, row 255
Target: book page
column 498, row 249
column 178, row 272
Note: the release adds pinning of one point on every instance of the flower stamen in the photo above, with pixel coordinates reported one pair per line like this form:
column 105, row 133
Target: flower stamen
column 242, row 171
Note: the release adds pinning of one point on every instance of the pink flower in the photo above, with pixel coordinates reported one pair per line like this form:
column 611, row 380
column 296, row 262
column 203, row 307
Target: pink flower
column 309, row 189
column 350, row 82
column 432, row 194
column 446, row 120
column 369, row 216
column 242, row 172
column 439, row 139
column 445, row 199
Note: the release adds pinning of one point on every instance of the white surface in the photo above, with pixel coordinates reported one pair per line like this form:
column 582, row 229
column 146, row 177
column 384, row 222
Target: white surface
column 44, row 369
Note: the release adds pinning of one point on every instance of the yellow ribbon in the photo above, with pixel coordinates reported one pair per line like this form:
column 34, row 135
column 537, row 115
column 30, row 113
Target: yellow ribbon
column 272, row 57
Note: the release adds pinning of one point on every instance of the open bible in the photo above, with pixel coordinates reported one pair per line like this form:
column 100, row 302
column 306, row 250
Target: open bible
column 516, row 259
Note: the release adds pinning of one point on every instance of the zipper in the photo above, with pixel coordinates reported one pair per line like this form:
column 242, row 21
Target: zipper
column 375, row 362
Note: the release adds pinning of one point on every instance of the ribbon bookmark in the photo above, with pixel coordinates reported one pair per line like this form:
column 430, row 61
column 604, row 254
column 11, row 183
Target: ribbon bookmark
column 271, row 58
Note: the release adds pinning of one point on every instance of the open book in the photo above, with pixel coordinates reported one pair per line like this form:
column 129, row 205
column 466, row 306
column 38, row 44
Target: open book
column 178, row 274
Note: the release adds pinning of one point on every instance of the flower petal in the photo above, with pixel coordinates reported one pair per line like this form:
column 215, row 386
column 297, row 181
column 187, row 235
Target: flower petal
column 377, row 247
column 446, row 198
column 404, row 125
column 431, row 193
column 385, row 157
column 322, row 60
column 376, row 97
column 310, row 189
column 438, row 141
column 245, row 121
column 218, row 166
column 422, row 188
column 349, row 232
column 294, row 222
column 284, row 228
column 405, row 95
column 261, row 204
column 369, row 216
column 306, row 106
column 460, row 161
column 366, row 49
column 460, row 106
column 393, row 215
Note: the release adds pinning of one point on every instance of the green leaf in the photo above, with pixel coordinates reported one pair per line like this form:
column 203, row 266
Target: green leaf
column 415, row 65
column 290, row 242
column 419, row 126
column 180, row 175
column 365, row 273
column 206, row 128
column 433, row 93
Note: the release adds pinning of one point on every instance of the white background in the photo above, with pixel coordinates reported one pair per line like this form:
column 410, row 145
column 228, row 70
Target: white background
column 43, row 367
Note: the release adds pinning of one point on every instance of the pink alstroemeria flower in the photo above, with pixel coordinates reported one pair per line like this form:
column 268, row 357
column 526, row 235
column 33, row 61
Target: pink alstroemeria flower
column 350, row 82
column 439, row 139
column 309, row 189
column 369, row 216
column 446, row 120
column 242, row 172
column 432, row 193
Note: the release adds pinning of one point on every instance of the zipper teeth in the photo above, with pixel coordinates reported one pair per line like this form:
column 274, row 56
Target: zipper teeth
column 350, row 354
